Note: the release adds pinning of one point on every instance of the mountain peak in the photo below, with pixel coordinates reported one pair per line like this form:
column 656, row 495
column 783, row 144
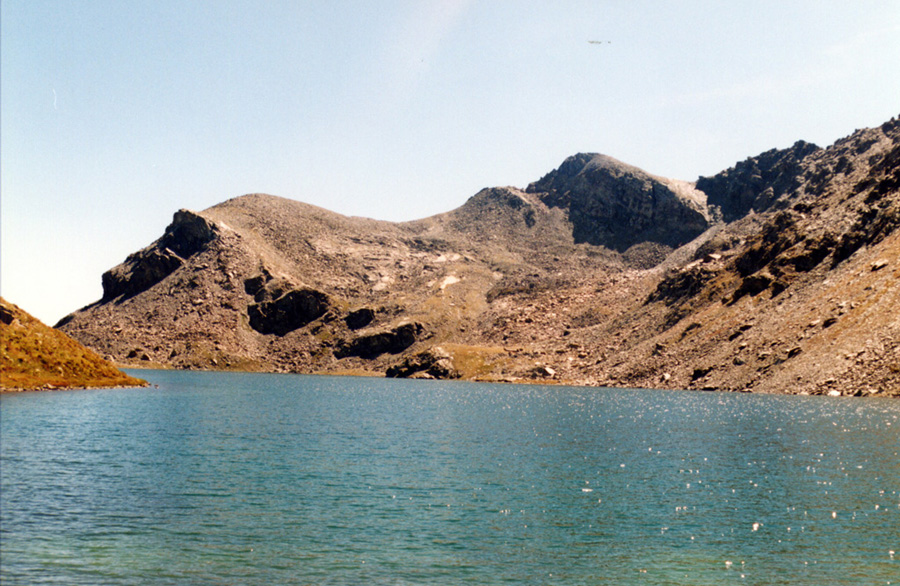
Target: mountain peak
column 613, row 204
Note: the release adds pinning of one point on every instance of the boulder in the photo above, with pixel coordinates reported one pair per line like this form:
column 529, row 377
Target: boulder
column 432, row 363
column 541, row 371
column 879, row 264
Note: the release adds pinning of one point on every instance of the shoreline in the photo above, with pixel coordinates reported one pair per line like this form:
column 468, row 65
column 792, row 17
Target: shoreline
column 524, row 381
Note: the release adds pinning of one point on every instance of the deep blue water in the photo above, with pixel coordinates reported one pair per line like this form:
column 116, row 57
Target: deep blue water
column 217, row 478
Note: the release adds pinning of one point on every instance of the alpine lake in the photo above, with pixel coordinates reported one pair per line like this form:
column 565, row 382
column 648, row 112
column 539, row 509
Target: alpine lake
column 259, row 479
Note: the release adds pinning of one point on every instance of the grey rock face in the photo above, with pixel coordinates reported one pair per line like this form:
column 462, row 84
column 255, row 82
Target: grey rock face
column 755, row 183
column 288, row 312
column 392, row 341
column 188, row 234
column 616, row 205
column 139, row 272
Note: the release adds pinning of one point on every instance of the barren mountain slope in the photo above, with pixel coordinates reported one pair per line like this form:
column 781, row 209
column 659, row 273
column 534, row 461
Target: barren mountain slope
column 778, row 275
column 800, row 296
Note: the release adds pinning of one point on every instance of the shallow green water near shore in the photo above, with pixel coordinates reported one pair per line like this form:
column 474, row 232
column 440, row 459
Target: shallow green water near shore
column 219, row 478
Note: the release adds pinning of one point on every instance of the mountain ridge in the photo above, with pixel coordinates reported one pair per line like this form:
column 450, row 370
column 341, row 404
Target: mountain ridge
column 598, row 273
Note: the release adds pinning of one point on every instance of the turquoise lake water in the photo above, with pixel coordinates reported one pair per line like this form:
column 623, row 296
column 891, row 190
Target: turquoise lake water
column 216, row 478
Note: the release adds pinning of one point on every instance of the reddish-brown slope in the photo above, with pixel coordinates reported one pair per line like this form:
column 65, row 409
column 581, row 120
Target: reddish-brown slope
column 35, row 356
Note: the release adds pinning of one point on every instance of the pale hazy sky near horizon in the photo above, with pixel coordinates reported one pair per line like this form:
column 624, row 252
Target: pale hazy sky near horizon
column 115, row 114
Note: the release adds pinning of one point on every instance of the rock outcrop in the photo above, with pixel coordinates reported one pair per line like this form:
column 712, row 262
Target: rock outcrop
column 434, row 363
column 360, row 318
column 280, row 306
column 187, row 235
column 757, row 182
column 616, row 205
column 288, row 312
column 374, row 344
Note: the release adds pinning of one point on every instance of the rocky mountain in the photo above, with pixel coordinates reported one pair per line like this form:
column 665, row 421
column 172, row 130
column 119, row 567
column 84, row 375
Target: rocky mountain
column 35, row 356
column 777, row 275
column 616, row 205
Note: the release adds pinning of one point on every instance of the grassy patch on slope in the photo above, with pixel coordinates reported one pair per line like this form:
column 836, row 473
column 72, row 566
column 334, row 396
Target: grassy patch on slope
column 35, row 356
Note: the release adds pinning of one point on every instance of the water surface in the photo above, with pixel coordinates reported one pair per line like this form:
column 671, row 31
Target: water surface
column 216, row 478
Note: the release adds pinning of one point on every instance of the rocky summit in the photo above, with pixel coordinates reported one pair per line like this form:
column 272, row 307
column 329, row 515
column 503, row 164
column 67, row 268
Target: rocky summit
column 778, row 275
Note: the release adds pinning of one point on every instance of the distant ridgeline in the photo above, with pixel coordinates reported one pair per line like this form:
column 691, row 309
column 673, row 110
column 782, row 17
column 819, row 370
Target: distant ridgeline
column 779, row 274
column 35, row 356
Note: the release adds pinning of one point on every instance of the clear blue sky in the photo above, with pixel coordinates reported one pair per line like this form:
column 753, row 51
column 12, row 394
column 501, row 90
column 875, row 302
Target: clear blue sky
column 117, row 113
